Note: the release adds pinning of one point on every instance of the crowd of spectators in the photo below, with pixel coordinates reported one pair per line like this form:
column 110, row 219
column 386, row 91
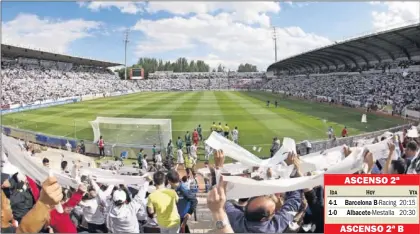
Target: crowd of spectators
column 395, row 89
column 30, row 82
column 164, row 202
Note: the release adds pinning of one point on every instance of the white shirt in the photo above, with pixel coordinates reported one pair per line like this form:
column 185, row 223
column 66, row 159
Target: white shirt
column 179, row 153
column 330, row 131
column 94, row 209
column 235, row 134
column 144, row 164
column 158, row 158
column 193, row 149
column 68, row 145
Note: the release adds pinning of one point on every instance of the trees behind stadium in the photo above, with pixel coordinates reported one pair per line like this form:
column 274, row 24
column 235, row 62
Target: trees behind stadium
column 182, row 64
column 247, row 68
column 151, row 65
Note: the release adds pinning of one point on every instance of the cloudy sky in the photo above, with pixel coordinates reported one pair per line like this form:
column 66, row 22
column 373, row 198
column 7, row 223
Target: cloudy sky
column 229, row 33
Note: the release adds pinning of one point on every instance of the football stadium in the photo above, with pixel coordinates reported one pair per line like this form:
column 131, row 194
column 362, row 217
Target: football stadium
column 247, row 110
column 124, row 148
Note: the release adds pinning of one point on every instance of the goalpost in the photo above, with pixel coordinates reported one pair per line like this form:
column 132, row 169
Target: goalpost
column 132, row 132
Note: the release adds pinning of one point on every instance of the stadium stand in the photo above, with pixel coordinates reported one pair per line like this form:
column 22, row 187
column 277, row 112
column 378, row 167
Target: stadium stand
column 118, row 198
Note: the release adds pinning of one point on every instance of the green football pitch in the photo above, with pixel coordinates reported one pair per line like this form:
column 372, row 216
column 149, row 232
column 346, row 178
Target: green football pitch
column 257, row 124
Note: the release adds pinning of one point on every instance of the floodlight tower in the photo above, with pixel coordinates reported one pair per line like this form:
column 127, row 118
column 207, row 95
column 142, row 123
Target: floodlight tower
column 275, row 43
column 125, row 52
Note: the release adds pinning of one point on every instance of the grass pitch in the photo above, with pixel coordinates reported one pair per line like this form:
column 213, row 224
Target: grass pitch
column 257, row 124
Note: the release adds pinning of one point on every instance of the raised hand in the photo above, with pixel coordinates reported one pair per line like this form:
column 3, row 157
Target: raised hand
column 83, row 188
column 347, row 151
column 219, row 159
column 391, row 146
column 51, row 192
column 216, row 198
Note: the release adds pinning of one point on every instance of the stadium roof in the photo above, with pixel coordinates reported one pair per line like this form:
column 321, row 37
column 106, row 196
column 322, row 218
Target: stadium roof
column 399, row 43
column 15, row 52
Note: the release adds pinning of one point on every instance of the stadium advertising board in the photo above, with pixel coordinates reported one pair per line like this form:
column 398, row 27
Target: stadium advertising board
column 136, row 73
column 92, row 96
column 38, row 106
column 5, row 107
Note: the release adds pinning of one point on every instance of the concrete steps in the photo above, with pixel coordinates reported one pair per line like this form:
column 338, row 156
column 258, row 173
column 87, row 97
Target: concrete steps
column 204, row 223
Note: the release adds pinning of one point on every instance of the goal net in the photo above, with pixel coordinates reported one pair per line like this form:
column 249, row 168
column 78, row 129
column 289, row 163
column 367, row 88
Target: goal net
column 131, row 132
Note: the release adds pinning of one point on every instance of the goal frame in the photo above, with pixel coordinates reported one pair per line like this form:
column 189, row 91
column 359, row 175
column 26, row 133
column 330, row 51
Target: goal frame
column 132, row 121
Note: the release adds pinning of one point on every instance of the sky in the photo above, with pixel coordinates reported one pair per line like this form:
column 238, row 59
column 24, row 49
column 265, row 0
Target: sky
column 227, row 33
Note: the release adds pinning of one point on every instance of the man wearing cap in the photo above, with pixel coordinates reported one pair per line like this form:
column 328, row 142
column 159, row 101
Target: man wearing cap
column 122, row 216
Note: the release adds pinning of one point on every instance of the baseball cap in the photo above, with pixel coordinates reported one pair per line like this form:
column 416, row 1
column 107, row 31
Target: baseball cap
column 119, row 195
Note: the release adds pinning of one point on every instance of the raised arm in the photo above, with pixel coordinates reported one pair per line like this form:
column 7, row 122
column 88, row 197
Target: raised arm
column 391, row 147
column 102, row 194
column 51, row 194
column 76, row 197
column 140, row 198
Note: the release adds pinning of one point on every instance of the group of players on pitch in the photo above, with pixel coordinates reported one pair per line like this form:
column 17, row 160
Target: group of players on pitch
column 191, row 141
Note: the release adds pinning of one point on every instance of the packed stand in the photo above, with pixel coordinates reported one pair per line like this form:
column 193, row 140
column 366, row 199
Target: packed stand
column 30, row 82
column 380, row 89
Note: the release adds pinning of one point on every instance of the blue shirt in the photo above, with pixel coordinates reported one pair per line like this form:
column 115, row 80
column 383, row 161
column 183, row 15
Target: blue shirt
column 187, row 201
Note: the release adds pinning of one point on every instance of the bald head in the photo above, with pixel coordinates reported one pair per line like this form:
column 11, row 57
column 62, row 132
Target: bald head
column 260, row 209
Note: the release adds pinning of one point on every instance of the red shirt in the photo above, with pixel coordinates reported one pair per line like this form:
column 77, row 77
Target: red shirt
column 61, row 223
column 344, row 132
column 33, row 187
column 195, row 135
column 101, row 143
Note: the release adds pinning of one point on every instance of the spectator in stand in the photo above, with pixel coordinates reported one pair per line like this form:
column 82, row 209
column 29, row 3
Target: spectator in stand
column 187, row 201
column 122, row 217
column 101, row 146
column 140, row 158
column 94, row 205
column 162, row 203
column 61, row 222
column 275, row 146
column 264, row 214
column 46, row 162
column 68, row 146
column 64, row 167
column 216, row 202
column 35, row 219
column 21, row 197
column 410, row 153
column 82, row 147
